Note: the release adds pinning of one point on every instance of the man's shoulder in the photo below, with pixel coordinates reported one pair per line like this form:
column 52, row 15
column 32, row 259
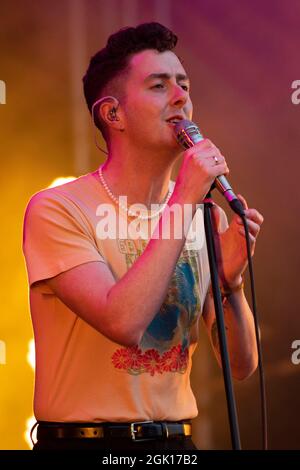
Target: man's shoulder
column 60, row 193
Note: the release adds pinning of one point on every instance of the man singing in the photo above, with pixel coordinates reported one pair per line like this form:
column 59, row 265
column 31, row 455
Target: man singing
column 116, row 312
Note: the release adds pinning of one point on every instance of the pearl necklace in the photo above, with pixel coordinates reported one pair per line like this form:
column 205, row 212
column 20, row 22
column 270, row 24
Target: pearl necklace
column 125, row 208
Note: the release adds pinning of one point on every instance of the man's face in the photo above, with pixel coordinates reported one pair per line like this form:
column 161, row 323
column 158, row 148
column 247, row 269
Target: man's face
column 156, row 90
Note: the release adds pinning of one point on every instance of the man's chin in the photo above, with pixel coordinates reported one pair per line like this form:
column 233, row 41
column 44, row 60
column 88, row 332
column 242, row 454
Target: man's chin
column 169, row 143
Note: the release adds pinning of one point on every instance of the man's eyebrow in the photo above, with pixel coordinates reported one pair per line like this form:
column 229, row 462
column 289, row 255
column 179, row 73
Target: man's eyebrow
column 166, row 76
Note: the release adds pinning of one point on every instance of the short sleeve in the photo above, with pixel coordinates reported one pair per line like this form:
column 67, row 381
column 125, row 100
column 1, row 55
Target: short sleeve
column 56, row 236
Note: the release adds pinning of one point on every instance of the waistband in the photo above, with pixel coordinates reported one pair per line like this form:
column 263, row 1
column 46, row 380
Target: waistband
column 136, row 431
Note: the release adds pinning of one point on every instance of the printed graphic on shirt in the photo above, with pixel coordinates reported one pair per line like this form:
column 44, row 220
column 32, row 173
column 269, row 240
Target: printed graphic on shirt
column 165, row 344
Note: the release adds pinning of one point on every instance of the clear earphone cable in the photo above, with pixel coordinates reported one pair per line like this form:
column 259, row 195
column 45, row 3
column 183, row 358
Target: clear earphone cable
column 93, row 120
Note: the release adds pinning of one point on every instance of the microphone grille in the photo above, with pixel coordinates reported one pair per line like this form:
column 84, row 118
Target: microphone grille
column 187, row 133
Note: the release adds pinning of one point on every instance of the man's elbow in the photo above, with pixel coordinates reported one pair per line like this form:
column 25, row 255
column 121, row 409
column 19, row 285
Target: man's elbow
column 127, row 340
column 121, row 335
column 120, row 327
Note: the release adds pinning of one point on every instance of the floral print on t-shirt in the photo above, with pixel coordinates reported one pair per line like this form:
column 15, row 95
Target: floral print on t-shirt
column 165, row 344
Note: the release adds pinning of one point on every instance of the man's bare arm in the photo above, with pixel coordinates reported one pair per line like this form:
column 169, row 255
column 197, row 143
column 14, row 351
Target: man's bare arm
column 240, row 333
column 120, row 310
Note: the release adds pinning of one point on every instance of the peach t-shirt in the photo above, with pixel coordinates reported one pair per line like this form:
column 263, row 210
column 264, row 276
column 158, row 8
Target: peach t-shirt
column 80, row 374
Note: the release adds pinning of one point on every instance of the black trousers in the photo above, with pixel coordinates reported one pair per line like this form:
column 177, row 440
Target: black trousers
column 124, row 444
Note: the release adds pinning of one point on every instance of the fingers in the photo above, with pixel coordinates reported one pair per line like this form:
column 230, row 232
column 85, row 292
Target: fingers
column 206, row 144
column 214, row 159
column 206, row 149
column 254, row 220
column 254, row 215
column 220, row 167
column 243, row 201
column 253, row 228
column 211, row 159
column 208, row 154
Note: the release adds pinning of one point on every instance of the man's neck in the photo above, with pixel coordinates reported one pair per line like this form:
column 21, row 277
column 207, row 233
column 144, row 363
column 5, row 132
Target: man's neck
column 142, row 178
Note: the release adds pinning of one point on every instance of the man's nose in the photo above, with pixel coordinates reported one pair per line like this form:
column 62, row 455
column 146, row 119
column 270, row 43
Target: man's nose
column 179, row 96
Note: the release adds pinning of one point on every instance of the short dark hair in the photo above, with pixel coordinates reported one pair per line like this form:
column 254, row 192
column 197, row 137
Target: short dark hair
column 112, row 61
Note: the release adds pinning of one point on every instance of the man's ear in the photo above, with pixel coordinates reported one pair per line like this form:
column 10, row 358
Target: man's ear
column 110, row 113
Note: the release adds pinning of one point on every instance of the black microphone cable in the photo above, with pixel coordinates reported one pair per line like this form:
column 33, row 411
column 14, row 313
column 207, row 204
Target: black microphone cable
column 263, row 401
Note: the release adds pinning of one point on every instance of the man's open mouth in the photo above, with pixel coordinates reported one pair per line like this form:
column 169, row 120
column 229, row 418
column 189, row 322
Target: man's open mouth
column 173, row 120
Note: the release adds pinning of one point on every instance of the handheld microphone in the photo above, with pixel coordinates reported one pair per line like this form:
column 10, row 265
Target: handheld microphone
column 188, row 134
